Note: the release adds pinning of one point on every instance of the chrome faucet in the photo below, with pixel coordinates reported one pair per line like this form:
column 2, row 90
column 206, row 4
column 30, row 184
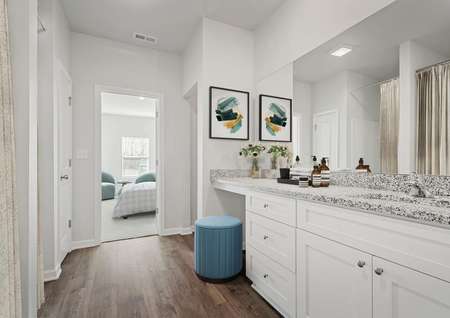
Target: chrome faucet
column 418, row 188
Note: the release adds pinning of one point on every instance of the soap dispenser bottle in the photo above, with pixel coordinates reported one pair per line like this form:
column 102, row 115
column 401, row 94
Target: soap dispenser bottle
column 324, row 173
column 315, row 175
column 297, row 162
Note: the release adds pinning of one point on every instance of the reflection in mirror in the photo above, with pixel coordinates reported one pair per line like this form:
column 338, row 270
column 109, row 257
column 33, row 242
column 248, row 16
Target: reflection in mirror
column 379, row 91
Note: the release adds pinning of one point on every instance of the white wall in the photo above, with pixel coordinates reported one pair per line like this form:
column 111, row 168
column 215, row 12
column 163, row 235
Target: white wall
column 412, row 57
column 54, row 51
column 22, row 16
column 335, row 93
column 363, row 129
column 193, row 60
column 299, row 26
column 104, row 62
column 279, row 83
column 228, row 60
column 193, row 103
column 331, row 94
column 114, row 127
column 302, row 106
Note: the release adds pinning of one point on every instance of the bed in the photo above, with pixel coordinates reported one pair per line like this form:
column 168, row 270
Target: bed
column 136, row 198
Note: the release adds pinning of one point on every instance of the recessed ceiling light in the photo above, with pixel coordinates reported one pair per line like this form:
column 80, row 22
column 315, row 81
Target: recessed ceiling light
column 341, row 51
column 141, row 98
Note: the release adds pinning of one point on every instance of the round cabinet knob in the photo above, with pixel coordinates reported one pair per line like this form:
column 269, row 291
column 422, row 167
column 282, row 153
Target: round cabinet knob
column 361, row 264
column 266, row 275
column 379, row 271
column 266, row 237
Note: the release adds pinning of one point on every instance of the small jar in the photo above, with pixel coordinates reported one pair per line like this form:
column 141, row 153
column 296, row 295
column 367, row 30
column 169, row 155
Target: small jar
column 303, row 181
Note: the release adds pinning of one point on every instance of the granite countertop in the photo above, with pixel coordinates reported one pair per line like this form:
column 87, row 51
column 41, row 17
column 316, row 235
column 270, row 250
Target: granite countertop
column 435, row 212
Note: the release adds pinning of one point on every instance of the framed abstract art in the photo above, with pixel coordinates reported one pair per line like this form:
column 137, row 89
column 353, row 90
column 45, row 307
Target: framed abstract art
column 275, row 118
column 228, row 113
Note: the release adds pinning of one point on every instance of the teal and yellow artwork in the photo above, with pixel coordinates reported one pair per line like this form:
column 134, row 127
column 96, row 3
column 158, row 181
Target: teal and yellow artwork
column 227, row 112
column 276, row 120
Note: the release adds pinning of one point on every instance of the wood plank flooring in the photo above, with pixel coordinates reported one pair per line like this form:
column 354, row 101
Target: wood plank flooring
column 145, row 277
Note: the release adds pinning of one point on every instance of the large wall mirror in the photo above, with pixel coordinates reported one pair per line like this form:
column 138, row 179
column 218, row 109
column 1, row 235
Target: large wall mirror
column 379, row 91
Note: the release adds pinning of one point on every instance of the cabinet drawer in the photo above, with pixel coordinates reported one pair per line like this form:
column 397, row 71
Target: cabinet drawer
column 274, row 239
column 272, row 281
column 276, row 208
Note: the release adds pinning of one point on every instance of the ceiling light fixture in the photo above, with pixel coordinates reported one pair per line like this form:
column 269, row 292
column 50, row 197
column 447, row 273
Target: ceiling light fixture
column 141, row 98
column 341, row 51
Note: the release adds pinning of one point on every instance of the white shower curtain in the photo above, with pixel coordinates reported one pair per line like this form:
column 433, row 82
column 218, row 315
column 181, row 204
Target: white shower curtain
column 433, row 120
column 10, row 299
column 389, row 125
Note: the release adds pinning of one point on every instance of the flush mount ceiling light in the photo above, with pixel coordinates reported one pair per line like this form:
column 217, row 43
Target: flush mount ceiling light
column 341, row 51
column 141, row 98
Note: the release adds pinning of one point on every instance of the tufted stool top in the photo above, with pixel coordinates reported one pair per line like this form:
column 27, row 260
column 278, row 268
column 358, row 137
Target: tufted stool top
column 218, row 222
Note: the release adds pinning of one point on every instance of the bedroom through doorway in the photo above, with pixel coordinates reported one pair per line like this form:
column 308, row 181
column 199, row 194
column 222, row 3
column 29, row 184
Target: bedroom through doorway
column 128, row 166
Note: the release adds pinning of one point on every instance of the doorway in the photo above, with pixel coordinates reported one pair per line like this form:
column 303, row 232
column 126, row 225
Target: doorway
column 64, row 143
column 325, row 137
column 128, row 148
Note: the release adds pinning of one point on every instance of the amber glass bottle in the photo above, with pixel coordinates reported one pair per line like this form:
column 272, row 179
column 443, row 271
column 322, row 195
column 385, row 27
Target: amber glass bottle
column 324, row 173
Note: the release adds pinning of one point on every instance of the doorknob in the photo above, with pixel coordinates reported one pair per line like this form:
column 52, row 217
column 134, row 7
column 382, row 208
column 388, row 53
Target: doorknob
column 361, row 264
column 379, row 271
column 64, row 177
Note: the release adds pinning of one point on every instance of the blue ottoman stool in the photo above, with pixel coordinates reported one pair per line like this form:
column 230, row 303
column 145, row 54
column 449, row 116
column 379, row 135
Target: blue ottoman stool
column 218, row 248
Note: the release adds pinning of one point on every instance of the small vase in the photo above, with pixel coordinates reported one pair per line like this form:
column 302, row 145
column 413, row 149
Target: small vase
column 273, row 168
column 274, row 163
column 256, row 171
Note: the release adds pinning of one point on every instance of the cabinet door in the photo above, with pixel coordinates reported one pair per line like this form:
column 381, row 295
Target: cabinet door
column 400, row 292
column 333, row 280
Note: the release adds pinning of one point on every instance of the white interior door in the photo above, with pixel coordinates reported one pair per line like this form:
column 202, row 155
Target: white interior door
column 325, row 137
column 333, row 280
column 64, row 110
column 400, row 292
column 365, row 142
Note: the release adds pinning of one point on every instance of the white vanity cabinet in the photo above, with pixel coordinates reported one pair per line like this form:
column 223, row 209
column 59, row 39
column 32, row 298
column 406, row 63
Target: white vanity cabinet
column 400, row 292
column 270, row 249
column 333, row 280
column 311, row 260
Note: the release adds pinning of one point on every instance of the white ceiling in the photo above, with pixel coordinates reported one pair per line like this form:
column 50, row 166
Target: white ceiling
column 171, row 21
column 128, row 105
column 376, row 41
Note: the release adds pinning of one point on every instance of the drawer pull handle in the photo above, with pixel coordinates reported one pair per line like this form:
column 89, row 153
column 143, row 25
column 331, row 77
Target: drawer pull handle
column 361, row 264
column 266, row 205
column 266, row 275
column 266, row 237
column 379, row 271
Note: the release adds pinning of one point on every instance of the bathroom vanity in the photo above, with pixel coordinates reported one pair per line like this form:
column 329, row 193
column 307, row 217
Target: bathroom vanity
column 345, row 251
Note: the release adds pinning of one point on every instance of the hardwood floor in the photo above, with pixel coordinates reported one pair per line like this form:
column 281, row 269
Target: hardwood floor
column 145, row 277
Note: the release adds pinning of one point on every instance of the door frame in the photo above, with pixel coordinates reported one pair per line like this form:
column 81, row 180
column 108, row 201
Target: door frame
column 59, row 68
column 159, row 118
column 335, row 148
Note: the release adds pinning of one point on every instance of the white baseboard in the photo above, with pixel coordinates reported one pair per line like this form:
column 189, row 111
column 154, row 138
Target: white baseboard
column 176, row 231
column 76, row 245
column 52, row 274
column 186, row 231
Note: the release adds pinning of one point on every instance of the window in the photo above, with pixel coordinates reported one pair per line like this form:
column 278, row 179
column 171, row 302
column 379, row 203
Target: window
column 135, row 156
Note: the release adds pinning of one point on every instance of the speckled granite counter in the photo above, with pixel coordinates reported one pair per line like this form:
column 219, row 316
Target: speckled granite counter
column 435, row 212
